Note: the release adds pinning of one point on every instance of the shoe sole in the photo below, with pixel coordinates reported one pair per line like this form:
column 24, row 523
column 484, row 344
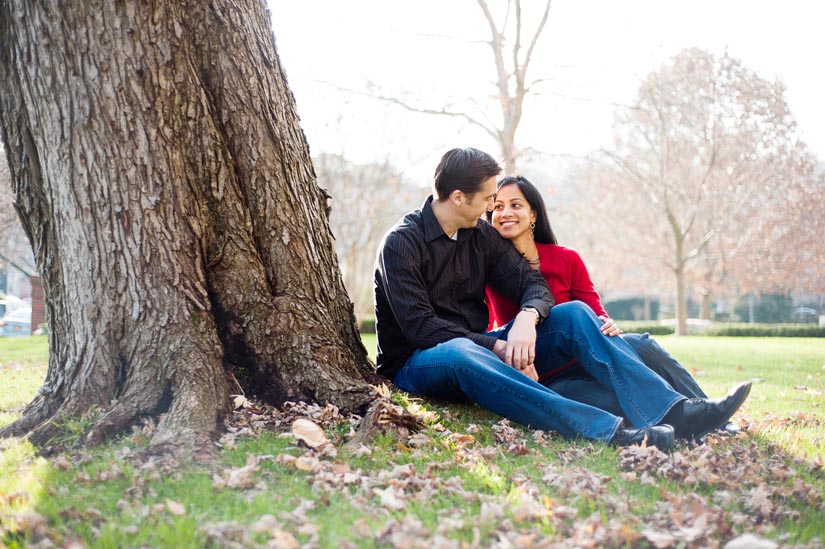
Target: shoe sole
column 726, row 418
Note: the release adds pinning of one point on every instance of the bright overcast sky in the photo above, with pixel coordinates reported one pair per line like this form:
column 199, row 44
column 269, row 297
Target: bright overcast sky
column 594, row 54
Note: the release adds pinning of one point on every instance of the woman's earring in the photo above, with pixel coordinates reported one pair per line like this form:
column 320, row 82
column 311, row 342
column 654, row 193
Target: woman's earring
column 532, row 231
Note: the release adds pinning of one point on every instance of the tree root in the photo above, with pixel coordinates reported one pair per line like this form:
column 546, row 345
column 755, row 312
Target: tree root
column 38, row 411
column 384, row 417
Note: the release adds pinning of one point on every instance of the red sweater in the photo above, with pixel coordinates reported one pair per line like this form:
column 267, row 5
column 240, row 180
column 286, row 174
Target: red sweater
column 565, row 273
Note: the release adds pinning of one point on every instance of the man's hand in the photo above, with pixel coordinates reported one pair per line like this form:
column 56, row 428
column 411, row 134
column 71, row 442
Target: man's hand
column 609, row 327
column 500, row 349
column 521, row 341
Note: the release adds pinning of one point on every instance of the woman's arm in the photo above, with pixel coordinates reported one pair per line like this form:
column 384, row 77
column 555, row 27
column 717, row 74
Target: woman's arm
column 583, row 289
column 581, row 285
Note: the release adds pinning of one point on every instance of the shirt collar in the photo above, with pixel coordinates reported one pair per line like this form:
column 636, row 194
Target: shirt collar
column 432, row 228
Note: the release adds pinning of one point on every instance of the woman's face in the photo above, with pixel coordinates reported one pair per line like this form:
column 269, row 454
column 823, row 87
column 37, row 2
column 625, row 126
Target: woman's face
column 512, row 214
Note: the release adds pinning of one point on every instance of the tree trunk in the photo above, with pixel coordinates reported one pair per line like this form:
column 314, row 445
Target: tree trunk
column 681, row 303
column 166, row 187
column 706, row 307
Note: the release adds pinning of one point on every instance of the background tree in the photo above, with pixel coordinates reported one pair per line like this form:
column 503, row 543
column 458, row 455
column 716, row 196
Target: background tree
column 15, row 251
column 367, row 199
column 167, row 190
column 704, row 163
column 512, row 40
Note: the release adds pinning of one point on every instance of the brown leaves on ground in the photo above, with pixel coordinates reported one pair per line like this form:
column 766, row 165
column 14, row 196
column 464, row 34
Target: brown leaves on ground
column 755, row 488
column 732, row 489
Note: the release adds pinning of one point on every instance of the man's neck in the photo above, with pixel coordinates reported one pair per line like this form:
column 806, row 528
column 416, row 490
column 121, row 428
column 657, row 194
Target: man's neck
column 445, row 217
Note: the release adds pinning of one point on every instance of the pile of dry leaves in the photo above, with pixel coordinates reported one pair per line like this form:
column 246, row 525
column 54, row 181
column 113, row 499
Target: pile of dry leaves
column 706, row 496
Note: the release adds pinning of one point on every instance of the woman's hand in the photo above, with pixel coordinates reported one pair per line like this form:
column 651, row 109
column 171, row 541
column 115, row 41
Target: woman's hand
column 609, row 327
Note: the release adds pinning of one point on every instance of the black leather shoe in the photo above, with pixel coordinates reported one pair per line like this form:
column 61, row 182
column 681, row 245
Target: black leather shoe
column 730, row 429
column 701, row 416
column 660, row 436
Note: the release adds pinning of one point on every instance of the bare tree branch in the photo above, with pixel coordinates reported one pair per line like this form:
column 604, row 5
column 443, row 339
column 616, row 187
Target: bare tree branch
column 490, row 130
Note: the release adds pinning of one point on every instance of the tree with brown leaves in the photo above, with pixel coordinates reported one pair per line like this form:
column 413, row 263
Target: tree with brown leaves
column 705, row 174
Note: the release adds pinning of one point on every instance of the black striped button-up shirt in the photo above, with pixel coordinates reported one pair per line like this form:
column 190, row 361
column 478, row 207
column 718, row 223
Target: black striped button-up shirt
column 429, row 288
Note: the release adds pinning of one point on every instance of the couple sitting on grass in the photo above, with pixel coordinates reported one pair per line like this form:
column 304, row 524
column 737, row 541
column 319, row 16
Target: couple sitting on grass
column 539, row 355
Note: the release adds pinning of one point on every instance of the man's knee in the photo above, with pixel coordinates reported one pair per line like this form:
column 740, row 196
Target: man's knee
column 642, row 343
column 457, row 350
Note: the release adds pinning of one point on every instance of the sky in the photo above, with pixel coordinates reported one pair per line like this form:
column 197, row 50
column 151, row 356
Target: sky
column 592, row 57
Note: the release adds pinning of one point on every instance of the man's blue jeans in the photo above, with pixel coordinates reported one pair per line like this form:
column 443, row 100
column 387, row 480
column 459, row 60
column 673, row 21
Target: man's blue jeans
column 459, row 369
column 577, row 384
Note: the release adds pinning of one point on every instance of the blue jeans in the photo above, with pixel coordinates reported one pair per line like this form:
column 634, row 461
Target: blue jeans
column 459, row 369
column 577, row 384
column 668, row 368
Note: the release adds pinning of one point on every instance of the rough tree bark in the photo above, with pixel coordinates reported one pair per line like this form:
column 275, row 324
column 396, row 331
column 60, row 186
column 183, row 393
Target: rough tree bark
column 166, row 187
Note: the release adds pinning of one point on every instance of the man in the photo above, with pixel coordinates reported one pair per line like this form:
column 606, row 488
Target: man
column 431, row 272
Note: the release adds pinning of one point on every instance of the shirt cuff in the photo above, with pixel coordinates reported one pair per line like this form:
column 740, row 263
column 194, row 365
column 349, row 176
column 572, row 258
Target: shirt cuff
column 483, row 339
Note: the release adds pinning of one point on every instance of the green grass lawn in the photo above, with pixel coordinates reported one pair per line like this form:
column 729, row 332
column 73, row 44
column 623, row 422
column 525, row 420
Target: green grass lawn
column 467, row 478
column 22, row 370
column 788, row 375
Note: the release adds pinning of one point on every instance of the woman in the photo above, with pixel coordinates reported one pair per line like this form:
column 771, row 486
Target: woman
column 520, row 216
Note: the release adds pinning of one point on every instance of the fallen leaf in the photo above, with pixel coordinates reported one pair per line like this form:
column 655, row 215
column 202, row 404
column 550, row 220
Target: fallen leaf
column 749, row 541
column 241, row 477
column 391, row 498
column 310, row 464
column 659, row 539
column 264, row 524
column 175, row 507
column 309, row 433
column 808, row 390
column 61, row 463
column 240, row 402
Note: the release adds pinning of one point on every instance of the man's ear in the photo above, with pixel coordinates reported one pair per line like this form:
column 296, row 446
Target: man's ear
column 457, row 197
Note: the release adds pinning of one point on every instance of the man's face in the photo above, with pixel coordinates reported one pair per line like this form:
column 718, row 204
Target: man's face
column 479, row 203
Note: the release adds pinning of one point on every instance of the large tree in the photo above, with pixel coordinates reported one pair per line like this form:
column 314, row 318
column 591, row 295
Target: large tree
column 706, row 169
column 166, row 187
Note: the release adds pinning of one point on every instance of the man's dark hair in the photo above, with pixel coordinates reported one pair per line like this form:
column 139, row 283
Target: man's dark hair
column 463, row 170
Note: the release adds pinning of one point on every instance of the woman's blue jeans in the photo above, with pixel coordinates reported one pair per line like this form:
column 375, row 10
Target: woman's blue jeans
column 576, row 383
column 459, row 369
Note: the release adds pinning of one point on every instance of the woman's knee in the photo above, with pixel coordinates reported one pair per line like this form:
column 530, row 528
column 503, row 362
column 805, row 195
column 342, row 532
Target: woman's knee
column 572, row 310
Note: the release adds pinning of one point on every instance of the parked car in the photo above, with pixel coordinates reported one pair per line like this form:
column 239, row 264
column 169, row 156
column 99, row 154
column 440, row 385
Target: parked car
column 9, row 304
column 17, row 323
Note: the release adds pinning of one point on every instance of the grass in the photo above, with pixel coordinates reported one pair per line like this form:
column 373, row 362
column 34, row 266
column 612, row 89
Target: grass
column 788, row 375
column 470, row 479
column 22, row 369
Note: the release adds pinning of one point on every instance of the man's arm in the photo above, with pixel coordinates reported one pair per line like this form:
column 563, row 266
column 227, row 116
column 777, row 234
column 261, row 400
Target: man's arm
column 512, row 277
column 515, row 279
column 400, row 264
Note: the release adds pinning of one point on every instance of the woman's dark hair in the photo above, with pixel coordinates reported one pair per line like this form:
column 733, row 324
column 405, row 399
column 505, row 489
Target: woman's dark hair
column 463, row 170
column 542, row 233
